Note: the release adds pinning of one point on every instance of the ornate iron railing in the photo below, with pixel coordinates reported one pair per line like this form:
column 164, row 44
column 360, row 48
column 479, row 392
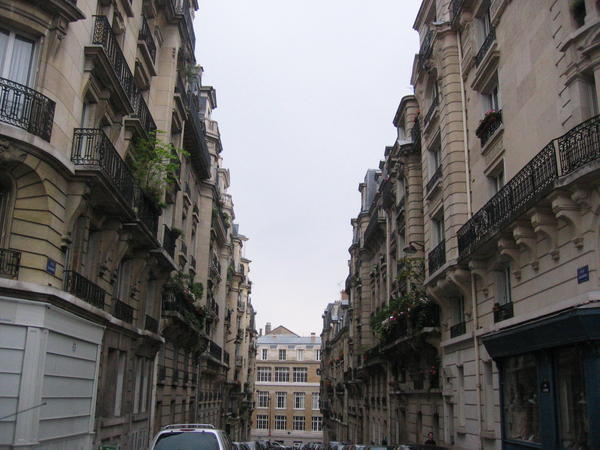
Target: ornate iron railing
column 431, row 110
column 151, row 324
column 579, row 146
column 503, row 312
column 105, row 37
column 458, row 329
column 91, row 147
column 169, row 240
column 426, row 48
column 437, row 175
column 147, row 211
column 123, row 311
column 486, row 132
column 189, row 25
column 142, row 113
column 487, row 43
column 426, row 315
column 146, row 36
column 175, row 303
column 214, row 350
column 9, row 262
column 531, row 183
column 455, row 9
column 181, row 90
column 81, row 287
column 26, row 108
column 437, row 257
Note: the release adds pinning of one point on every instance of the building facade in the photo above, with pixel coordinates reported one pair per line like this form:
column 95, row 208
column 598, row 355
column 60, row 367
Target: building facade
column 113, row 281
column 494, row 192
column 287, row 388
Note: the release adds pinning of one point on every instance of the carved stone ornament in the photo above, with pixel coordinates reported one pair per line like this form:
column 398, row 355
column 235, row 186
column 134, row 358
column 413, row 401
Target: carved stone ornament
column 9, row 153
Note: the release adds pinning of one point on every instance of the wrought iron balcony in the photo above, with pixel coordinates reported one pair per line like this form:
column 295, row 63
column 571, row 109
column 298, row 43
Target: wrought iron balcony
column 426, row 48
column 189, row 26
column 142, row 113
column 579, row 146
column 214, row 350
column 437, row 176
column 172, row 303
column 81, row 287
column 437, row 257
column 104, row 36
column 147, row 211
column 93, row 149
column 415, row 134
column 146, row 37
column 169, row 240
column 458, row 330
column 503, row 312
column 488, row 126
column 122, row 311
column 26, row 108
column 432, row 109
column 455, row 10
column 487, row 43
column 9, row 262
column 194, row 139
column 151, row 324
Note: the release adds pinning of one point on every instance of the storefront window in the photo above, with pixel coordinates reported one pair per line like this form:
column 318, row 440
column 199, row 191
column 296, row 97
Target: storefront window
column 521, row 416
column 571, row 399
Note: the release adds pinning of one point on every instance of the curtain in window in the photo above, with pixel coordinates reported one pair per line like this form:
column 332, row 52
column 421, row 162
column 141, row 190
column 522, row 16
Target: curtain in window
column 20, row 64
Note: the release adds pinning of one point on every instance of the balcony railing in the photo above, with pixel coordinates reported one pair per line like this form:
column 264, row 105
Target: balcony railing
column 81, row 287
column 503, row 312
column 169, row 240
column 214, row 350
column 458, row 330
column 415, row 134
column 9, row 262
column 26, row 108
column 172, row 303
column 455, row 9
column 146, row 37
column 151, row 324
column 490, row 123
column 189, row 25
column 426, row 48
column 142, row 113
column 123, row 311
column 105, row 37
column 437, row 257
column 147, row 211
column 91, row 147
column 437, row 175
column 487, row 43
column 579, row 146
column 431, row 110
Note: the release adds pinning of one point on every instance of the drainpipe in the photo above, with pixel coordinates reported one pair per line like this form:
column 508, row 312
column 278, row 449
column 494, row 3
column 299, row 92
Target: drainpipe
column 388, row 287
column 474, row 312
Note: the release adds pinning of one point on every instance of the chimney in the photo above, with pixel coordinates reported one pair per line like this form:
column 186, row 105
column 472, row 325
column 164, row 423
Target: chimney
column 313, row 338
column 344, row 295
column 260, row 331
column 268, row 328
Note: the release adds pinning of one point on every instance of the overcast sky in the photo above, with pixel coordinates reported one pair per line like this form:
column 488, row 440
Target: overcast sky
column 306, row 92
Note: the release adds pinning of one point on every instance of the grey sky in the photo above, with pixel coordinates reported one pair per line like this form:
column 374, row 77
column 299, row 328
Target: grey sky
column 306, row 92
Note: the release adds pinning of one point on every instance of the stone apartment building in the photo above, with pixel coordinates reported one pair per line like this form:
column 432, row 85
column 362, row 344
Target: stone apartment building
column 492, row 186
column 287, row 388
column 113, row 283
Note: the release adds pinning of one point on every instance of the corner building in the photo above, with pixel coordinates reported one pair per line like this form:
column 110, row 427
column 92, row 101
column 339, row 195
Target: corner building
column 287, row 396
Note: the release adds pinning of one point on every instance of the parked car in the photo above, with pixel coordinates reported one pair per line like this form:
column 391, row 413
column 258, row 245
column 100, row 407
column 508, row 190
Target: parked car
column 420, row 447
column 241, row 446
column 252, row 445
column 191, row 436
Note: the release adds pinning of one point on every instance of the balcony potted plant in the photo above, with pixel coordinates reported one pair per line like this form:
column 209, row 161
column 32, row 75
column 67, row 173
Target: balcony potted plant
column 490, row 119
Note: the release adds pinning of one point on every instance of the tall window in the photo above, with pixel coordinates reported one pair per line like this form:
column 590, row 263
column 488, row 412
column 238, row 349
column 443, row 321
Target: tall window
column 282, row 374
column 262, row 421
column 438, row 227
column 280, row 422
column 6, row 199
column 503, row 287
column 299, row 400
column 282, row 354
column 263, row 399
column 497, row 179
column 16, row 57
column 318, row 355
column 460, row 310
column 142, row 375
column 300, row 354
column 116, row 380
column 315, row 401
column 263, row 374
column 300, row 374
column 317, row 423
column 493, row 98
column 281, row 400
column 265, row 353
column 299, row 423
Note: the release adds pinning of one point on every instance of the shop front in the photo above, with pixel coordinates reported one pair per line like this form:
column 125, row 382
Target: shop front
column 550, row 381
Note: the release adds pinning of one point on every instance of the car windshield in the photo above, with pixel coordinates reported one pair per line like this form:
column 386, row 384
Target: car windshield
column 187, row 441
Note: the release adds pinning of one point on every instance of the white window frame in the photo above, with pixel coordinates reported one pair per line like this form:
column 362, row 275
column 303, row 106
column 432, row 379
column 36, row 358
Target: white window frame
column 263, row 374
column 5, row 65
column 300, row 375
column 300, row 354
column 265, row 354
column 503, row 286
column 299, row 423
column 281, row 422
column 282, row 374
column 263, row 399
column 280, row 400
column 299, row 400
column 262, row 421
column 282, row 354
column 316, row 401
column 317, row 423
column 318, row 354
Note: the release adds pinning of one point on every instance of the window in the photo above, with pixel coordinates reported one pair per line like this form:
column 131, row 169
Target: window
column 434, row 157
column 282, row 354
column 16, row 58
column 300, row 374
column 142, row 375
column 280, row 422
column 438, row 227
column 521, row 409
column 6, row 202
column 300, row 355
column 281, row 400
column 299, row 400
column 459, row 312
column 265, row 353
column 263, row 399
column 316, row 401
column 493, row 98
column 317, row 423
column 486, row 23
column 282, row 374
column 263, row 374
column 262, row 421
column 571, row 397
column 116, row 380
column 497, row 179
column 299, row 423
column 503, row 288
column 318, row 355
